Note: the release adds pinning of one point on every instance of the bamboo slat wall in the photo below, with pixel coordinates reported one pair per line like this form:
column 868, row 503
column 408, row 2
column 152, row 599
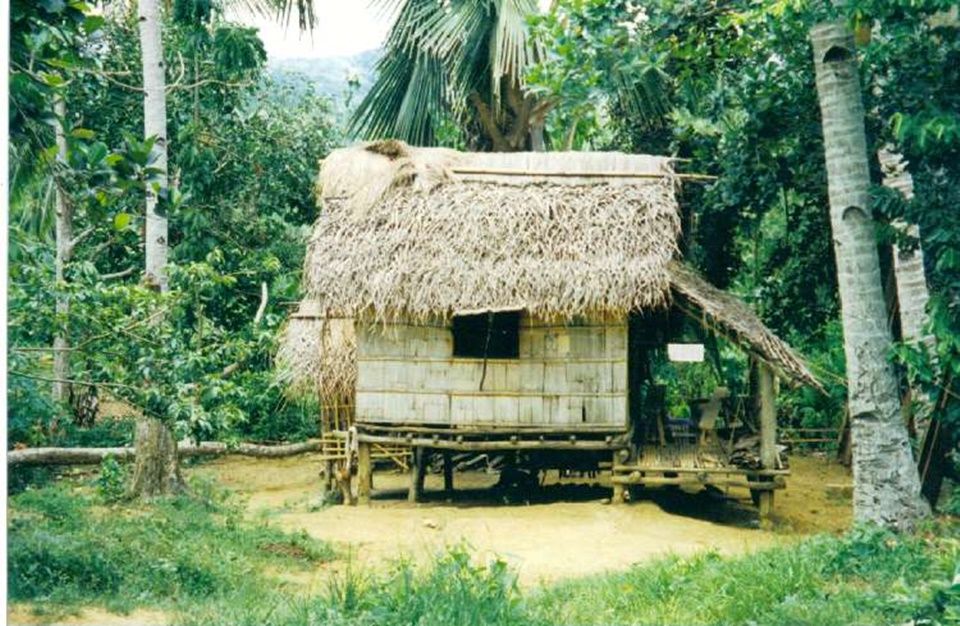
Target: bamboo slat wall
column 566, row 375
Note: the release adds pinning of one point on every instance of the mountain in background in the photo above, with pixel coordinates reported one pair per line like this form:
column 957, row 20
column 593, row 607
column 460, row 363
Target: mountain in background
column 330, row 75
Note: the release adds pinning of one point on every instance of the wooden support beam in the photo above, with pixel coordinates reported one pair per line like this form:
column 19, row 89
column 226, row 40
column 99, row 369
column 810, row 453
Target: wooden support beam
column 447, row 472
column 662, row 481
column 364, row 473
column 619, row 490
column 417, row 470
column 623, row 468
column 446, row 444
column 474, row 430
column 768, row 433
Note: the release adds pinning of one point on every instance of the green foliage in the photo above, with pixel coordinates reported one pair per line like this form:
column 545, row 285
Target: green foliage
column 453, row 590
column 803, row 407
column 598, row 57
column 913, row 61
column 65, row 548
column 868, row 577
column 243, row 153
column 111, row 483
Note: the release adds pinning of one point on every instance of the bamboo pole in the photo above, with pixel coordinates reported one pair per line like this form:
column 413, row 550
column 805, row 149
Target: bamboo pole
column 768, row 433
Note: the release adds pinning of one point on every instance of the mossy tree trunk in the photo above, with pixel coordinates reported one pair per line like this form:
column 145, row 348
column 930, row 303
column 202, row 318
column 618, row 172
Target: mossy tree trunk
column 886, row 481
column 156, row 470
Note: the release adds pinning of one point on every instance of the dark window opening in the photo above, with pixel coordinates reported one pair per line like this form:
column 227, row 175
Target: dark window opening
column 487, row 335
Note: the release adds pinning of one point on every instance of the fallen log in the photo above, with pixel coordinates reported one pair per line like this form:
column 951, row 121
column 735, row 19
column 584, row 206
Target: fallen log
column 93, row 456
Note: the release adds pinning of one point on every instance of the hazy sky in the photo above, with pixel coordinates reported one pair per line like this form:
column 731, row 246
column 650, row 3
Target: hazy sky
column 344, row 27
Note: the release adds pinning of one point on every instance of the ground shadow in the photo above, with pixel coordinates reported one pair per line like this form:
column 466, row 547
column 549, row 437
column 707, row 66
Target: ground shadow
column 710, row 505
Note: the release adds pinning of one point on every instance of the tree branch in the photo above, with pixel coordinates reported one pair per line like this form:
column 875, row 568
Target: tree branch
column 264, row 295
column 80, row 237
column 68, row 381
column 120, row 274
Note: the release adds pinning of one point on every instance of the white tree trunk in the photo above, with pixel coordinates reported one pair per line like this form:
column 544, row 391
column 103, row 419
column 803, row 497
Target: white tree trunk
column 64, row 237
column 886, row 481
column 154, row 125
column 156, row 471
column 911, row 281
column 912, row 292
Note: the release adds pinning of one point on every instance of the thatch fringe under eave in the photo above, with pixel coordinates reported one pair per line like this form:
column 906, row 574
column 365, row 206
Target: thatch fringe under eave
column 317, row 355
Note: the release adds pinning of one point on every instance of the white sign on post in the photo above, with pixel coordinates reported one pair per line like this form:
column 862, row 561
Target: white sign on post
column 685, row 352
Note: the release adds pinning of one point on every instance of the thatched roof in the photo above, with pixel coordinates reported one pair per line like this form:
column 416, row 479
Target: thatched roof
column 417, row 233
column 426, row 232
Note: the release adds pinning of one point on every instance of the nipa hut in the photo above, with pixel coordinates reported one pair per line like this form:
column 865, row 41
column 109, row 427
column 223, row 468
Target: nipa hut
column 511, row 303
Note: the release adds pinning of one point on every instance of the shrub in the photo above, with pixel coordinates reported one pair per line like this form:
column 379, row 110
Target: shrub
column 112, row 480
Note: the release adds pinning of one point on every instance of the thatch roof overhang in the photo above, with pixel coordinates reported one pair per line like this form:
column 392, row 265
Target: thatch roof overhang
column 731, row 317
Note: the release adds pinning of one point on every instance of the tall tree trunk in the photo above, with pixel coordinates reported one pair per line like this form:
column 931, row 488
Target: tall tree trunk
column 911, row 281
column 886, row 482
column 156, row 471
column 64, row 237
column 912, row 292
column 154, row 125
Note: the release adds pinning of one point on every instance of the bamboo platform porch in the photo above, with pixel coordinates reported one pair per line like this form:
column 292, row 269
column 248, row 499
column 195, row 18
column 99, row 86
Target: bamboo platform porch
column 551, row 446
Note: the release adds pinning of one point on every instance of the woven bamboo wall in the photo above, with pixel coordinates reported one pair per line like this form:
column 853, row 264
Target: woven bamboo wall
column 565, row 376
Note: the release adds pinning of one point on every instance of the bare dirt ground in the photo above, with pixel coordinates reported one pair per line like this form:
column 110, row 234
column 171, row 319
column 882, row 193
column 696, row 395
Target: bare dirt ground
column 88, row 616
column 565, row 530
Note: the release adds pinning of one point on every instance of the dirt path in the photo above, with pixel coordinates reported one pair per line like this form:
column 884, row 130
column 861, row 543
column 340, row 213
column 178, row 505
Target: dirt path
column 23, row 614
column 567, row 532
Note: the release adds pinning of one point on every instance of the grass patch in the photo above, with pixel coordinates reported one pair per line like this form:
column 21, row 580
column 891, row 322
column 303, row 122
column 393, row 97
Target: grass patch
column 67, row 547
column 867, row 577
column 452, row 592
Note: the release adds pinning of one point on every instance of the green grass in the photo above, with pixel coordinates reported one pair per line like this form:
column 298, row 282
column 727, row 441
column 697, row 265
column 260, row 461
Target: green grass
column 868, row 577
column 199, row 559
column 67, row 547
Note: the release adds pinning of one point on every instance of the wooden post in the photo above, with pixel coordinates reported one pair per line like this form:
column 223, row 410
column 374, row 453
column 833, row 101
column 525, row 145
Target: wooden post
column 618, row 488
column 364, row 473
column 416, row 475
column 448, row 472
column 768, row 431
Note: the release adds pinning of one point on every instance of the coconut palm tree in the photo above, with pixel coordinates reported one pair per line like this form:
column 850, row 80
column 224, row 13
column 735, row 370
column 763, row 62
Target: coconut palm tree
column 464, row 60
column 886, row 482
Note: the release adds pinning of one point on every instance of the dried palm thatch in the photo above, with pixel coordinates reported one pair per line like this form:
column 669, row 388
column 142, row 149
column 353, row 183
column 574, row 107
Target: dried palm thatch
column 729, row 315
column 404, row 236
column 318, row 354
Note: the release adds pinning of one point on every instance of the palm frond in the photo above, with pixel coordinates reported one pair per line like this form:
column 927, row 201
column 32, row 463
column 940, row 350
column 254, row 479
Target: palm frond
column 405, row 101
column 282, row 10
column 437, row 53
